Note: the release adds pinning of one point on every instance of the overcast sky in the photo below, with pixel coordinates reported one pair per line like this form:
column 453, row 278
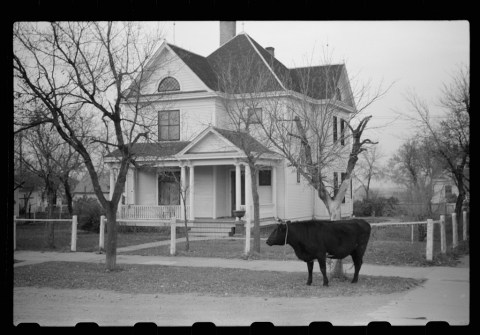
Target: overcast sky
column 414, row 55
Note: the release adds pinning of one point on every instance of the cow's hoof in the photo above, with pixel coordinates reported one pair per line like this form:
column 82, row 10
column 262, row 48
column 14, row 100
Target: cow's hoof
column 325, row 284
column 354, row 281
column 309, row 283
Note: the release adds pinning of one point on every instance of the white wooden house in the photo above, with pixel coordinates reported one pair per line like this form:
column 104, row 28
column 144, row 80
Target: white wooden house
column 196, row 144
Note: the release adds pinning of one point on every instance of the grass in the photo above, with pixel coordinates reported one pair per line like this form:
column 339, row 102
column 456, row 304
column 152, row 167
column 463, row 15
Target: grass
column 31, row 237
column 157, row 279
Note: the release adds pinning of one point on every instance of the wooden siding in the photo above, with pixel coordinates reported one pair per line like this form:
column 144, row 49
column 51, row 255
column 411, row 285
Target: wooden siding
column 147, row 186
column 203, row 192
column 212, row 143
column 299, row 202
column 170, row 65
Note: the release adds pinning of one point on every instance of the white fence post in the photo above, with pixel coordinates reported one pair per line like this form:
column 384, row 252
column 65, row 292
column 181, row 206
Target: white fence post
column 74, row 234
column 101, row 238
column 247, row 236
column 173, row 236
column 443, row 238
column 429, row 240
column 14, row 232
column 464, row 225
column 454, row 230
column 411, row 233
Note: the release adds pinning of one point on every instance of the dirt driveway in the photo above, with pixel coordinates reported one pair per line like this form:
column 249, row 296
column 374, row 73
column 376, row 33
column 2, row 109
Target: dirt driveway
column 55, row 307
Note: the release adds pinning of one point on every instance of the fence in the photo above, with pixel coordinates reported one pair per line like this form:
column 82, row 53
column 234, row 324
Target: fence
column 73, row 220
column 434, row 237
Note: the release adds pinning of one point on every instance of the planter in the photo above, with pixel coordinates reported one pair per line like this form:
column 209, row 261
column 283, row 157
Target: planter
column 239, row 214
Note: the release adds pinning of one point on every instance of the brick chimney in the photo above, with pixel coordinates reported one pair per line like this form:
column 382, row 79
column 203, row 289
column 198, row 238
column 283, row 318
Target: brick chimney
column 271, row 50
column 227, row 31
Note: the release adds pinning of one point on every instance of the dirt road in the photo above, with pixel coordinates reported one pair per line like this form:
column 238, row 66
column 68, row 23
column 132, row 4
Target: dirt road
column 53, row 307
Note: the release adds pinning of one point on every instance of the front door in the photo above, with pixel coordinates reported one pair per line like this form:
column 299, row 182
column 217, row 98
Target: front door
column 169, row 189
column 233, row 188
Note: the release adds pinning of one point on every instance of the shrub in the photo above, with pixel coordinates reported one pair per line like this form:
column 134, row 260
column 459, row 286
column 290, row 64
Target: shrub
column 378, row 206
column 88, row 211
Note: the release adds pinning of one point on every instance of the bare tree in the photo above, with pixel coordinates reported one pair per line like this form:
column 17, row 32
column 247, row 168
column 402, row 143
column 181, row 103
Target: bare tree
column 368, row 169
column 450, row 137
column 245, row 83
column 43, row 150
column 81, row 70
column 415, row 167
column 319, row 130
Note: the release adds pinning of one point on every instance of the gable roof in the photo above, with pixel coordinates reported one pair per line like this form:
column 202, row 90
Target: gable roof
column 243, row 57
column 318, row 82
column 237, row 139
column 243, row 140
column 160, row 149
column 199, row 65
column 240, row 58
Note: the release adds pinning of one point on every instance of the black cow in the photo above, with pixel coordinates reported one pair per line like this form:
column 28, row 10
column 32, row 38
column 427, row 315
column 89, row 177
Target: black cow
column 320, row 239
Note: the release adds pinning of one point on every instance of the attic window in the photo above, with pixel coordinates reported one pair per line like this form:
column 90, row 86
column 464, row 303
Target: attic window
column 168, row 84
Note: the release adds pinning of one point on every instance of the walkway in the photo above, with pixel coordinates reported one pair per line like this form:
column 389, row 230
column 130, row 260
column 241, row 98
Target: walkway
column 445, row 296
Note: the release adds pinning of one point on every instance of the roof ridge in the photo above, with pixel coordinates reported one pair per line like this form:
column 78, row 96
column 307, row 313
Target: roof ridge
column 176, row 46
column 314, row 66
column 234, row 37
column 265, row 61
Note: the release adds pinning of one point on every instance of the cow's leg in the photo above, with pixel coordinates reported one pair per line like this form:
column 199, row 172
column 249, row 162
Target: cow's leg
column 323, row 268
column 357, row 262
column 310, row 270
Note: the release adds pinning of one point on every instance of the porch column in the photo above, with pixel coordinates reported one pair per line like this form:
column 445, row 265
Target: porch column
column 238, row 187
column 130, row 188
column 112, row 181
column 183, row 185
column 248, row 193
column 214, row 186
column 191, row 188
column 274, row 190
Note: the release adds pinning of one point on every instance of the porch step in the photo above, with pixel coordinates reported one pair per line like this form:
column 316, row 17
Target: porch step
column 212, row 228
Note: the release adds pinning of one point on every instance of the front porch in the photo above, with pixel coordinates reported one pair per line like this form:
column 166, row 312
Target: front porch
column 196, row 192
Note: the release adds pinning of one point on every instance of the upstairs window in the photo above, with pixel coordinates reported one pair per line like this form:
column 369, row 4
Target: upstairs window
column 335, row 135
column 254, row 115
column 338, row 94
column 335, row 183
column 342, row 129
column 343, row 175
column 168, row 84
column 169, row 125
column 265, row 178
column 448, row 191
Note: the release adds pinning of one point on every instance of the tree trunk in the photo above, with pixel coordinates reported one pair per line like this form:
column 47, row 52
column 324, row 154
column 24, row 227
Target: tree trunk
column 50, row 231
column 335, row 215
column 256, row 210
column 111, row 243
column 68, row 195
column 461, row 196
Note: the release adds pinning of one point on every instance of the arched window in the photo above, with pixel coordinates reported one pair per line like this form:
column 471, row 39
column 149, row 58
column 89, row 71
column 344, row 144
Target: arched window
column 168, row 84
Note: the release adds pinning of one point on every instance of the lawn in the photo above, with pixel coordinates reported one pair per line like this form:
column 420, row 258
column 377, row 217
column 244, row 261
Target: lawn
column 31, row 237
column 157, row 279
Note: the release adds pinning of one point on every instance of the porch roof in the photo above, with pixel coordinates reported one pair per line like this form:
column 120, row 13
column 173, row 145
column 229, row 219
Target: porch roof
column 160, row 149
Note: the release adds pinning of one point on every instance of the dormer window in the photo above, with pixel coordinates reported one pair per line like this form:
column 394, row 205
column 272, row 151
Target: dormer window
column 169, row 84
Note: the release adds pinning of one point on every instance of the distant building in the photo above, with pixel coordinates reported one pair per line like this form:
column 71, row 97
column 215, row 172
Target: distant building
column 85, row 187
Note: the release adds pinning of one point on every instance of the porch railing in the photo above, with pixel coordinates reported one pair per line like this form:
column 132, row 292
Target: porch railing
column 152, row 212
